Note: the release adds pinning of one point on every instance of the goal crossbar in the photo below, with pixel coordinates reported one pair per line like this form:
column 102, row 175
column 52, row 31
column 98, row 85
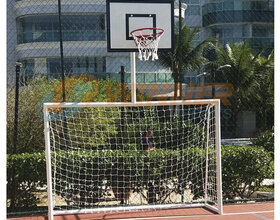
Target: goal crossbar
column 130, row 104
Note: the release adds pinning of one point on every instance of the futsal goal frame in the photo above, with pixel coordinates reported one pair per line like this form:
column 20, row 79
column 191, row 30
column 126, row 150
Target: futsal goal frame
column 215, row 102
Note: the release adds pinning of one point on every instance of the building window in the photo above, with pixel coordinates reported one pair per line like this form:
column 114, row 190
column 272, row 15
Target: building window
column 193, row 10
column 195, row 2
column 78, row 65
column 262, row 31
column 237, row 11
column 28, row 67
column 45, row 28
column 228, row 6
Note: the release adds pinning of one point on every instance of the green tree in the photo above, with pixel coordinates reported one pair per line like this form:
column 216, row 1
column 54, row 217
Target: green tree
column 251, row 76
column 40, row 90
column 191, row 56
column 263, row 87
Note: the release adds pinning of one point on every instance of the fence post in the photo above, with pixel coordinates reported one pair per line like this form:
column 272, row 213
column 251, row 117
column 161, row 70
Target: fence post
column 15, row 136
column 122, row 84
column 180, row 51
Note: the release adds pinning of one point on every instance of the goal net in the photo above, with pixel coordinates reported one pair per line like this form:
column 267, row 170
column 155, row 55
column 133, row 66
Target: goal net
column 124, row 156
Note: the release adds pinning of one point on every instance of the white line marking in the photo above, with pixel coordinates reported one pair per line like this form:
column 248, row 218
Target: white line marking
column 260, row 216
column 194, row 216
column 246, row 213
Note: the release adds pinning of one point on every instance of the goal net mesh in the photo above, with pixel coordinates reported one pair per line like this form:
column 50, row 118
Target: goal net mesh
column 132, row 156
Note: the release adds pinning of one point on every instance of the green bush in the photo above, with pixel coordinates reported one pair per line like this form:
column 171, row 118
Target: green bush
column 243, row 169
column 30, row 124
column 32, row 96
column 29, row 173
column 265, row 140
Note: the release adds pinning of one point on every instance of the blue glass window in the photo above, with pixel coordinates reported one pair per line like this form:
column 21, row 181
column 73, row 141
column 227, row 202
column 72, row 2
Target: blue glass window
column 193, row 10
column 228, row 5
column 262, row 31
column 28, row 66
column 77, row 65
column 219, row 6
column 45, row 28
column 195, row 2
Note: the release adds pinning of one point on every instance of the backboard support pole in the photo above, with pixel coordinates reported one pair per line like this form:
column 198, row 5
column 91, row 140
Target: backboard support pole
column 133, row 77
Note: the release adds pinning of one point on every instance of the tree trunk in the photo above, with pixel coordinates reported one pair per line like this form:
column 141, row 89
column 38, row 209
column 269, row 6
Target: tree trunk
column 176, row 81
column 175, row 90
column 181, row 90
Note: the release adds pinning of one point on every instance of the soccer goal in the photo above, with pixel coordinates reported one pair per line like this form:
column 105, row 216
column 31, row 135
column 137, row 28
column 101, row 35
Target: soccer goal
column 104, row 157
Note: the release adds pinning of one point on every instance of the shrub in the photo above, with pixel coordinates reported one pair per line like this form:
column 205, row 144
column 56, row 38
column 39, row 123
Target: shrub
column 265, row 140
column 30, row 124
column 32, row 96
column 29, row 173
column 243, row 169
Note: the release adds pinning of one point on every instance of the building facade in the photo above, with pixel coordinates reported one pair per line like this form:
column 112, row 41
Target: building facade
column 33, row 34
column 233, row 21
column 34, row 40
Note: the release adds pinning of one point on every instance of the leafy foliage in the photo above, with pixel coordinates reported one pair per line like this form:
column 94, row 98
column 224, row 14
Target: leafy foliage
column 30, row 124
column 243, row 169
column 29, row 173
column 189, row 53
column 32, row 96
column 265, row 140
column 252, row 79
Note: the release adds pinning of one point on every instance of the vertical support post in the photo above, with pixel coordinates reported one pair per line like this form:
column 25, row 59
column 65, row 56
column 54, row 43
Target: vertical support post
column 61, row 52
column 15, row 135
column 133, row 77
column 218, row 156
column 180, row 94
column 122, row 100
column 65, row 129
column 213, row 85
column 48, row 162
column 18, row 66
column 180, row 51
column 206, row 156
column 122, row 84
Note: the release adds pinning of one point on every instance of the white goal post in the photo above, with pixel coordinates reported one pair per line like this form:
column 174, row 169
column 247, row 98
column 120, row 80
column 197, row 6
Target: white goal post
column 104, row 157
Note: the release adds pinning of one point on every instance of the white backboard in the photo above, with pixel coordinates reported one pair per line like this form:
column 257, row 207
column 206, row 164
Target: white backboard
column 124, row 16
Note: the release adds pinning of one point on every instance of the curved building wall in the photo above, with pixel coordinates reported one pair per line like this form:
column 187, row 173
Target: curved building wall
column 37, row 43
column 45, row 28
column 237, row 11
column 233, row 21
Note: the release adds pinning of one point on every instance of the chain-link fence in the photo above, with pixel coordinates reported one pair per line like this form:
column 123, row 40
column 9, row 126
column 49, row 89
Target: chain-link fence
column 223, row 49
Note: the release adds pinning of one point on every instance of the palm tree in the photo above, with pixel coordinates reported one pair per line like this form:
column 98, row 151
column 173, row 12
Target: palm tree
column 264, row 90
column 192, row 58
column 251, row 76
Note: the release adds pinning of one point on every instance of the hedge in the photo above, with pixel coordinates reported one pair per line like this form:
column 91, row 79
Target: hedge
column 243, row 168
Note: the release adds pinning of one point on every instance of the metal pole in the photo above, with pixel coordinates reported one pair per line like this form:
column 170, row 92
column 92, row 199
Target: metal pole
column 15, row 136
column 218, row 157
column 18, row 66
column 133, row 77
column 48, row 162
column 122, row 100
column 65, row 129
column 206, row 155
column 180, row 49
column 61, row 52
column 180, row 91
column 213, row 85
column 122, row 84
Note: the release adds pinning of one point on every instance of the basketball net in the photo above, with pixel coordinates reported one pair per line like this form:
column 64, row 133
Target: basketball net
column 147, row 39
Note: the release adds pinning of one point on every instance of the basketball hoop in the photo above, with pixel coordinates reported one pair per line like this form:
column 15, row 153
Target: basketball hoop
column 147, row 39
